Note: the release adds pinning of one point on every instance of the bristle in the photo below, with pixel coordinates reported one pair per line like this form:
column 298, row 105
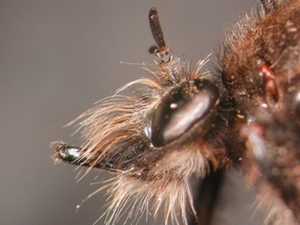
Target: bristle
column 116, row 139
column 165, row 189
column 156, row 133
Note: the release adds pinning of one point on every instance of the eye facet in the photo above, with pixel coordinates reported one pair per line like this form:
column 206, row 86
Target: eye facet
column 181, row 108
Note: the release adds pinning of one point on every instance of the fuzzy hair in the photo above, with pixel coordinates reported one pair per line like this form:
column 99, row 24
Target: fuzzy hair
column 124, row 118
column 270, row 36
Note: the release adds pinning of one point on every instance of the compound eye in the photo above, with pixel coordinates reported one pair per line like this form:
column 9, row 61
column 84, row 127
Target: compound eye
column 181, row 108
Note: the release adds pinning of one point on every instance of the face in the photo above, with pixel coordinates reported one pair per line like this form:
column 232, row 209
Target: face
column 182, row 123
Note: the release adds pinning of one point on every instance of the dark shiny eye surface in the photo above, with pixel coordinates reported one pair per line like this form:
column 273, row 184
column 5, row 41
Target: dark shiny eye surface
column 181, row 108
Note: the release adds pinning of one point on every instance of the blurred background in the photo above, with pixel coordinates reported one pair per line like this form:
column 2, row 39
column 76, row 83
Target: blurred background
column 57, row 58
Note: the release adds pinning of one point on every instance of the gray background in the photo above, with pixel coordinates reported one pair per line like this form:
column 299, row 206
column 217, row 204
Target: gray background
column 59, row 57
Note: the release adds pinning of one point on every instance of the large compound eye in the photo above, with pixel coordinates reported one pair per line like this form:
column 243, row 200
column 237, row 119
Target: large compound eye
column 181, row 108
